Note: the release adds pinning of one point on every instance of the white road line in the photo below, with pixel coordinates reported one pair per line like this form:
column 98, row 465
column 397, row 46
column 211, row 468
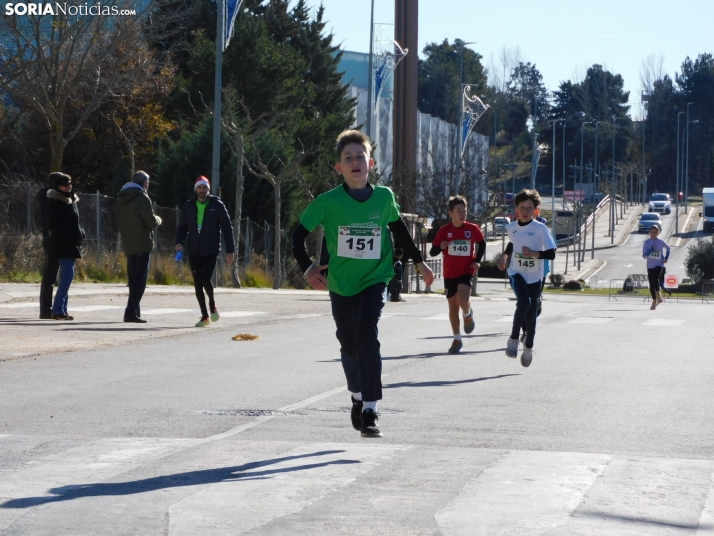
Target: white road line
column 663, row 322
column 590, row 320
column 706, row 521
column 238, row 314
column 91, row 308
column 266, row 492
column 19, row 305
column 157, row 312
column 522, row 493
column 686, row 222
column 629, row 265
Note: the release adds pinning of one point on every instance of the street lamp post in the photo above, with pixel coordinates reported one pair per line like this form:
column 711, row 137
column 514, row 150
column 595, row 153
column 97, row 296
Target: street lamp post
column 370, row 80
column 686, row 173
column 686, row 183
column 565, row 123
column 582, row 138
column 552, row 192
column 595, row 173
column 459, row 122
column 613, row 211
column 676, row 193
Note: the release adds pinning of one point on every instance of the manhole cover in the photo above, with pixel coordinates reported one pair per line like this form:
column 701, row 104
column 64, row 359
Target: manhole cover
column 250, row 412
column 348, row 410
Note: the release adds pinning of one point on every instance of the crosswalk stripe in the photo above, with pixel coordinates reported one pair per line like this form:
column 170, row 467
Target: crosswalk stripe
column 706, row 521
column 590, row 320
column 664, row 322
column 266, row 492
column 523, row 493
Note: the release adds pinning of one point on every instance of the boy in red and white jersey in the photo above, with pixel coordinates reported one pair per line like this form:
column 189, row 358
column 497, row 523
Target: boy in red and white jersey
column 463, row 246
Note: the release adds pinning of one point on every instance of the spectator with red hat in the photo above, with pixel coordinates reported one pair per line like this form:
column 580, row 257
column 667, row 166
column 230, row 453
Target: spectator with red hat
column 203, row 218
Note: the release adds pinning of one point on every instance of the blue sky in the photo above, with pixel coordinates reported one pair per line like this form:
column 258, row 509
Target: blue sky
column 562, row 37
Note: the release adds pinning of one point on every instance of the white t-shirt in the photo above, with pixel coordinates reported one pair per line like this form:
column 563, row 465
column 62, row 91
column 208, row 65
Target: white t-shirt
column 535, row 236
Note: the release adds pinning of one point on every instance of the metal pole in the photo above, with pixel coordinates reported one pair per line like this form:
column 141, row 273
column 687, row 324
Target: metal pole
column 217, row 86
column 595, row 173
column 676, row 193
column 370, row 78
column 686, row 176
column 582, row 138
column 552, row 192
column 640, row 184
column 98, row 232
column 29, row 209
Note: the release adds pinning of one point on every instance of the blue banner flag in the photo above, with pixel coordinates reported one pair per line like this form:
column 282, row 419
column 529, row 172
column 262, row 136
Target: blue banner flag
column 232, row 7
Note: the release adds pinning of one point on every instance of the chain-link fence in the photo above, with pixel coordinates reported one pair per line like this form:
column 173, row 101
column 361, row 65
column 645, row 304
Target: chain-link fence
column 21, row 235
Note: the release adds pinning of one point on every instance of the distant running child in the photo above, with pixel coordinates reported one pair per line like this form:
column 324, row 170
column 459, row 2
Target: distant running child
column 654, row 251
column 356, row 217
column 532, row 244
column 463, row 246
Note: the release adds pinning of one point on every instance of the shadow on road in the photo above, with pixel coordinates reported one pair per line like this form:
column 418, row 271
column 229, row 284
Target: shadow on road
column 191, row 478
column 445, row 383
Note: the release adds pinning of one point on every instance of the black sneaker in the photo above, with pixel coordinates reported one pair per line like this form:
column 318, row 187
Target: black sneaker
column 370, row 428
column 134, row 319
column 356, row 414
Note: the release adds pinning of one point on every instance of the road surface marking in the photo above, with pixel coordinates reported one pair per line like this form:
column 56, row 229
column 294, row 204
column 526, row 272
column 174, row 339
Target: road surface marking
column 522, row 493
column 706, row 521
column 663, row 322
column 590, row 320
column 276, row 488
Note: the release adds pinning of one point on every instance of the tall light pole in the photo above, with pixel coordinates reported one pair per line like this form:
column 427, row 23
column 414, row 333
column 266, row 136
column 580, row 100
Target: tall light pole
column 370, row 75
column 582, row 138
column 459, row 122
column 612, row 198
column 565, row 123
column 595, row 173
column 552, row 192
column 686, row 174
column 676, row 193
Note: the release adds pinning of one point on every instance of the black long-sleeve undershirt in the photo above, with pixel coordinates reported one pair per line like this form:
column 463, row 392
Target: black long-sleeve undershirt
column 402, row 238
column 548, row 254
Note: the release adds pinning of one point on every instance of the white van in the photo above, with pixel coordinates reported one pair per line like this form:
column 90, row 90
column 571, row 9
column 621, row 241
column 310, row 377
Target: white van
column 708, row 209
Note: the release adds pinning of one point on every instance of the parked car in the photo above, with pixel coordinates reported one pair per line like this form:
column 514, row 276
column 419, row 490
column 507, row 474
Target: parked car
column 660, row 203
column 647, row 220
column 499, row 224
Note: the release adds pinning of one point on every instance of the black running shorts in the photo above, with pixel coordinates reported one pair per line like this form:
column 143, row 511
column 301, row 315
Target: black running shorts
column 452, row 284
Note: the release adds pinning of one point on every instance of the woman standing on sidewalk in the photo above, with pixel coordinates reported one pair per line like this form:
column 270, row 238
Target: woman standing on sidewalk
column 654, row 251
column 65, row 237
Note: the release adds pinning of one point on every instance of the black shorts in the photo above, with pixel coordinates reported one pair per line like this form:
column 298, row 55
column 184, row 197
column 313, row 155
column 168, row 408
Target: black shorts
column 452, row 284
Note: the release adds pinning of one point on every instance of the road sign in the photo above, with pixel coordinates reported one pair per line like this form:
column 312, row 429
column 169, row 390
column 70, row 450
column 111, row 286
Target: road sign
column 671, row 281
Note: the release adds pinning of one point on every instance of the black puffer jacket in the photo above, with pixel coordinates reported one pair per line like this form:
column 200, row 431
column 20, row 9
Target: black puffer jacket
column 63, row 224
column 215, row 220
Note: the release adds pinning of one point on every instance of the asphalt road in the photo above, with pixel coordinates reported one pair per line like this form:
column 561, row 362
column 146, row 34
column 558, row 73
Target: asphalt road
column 610, row 431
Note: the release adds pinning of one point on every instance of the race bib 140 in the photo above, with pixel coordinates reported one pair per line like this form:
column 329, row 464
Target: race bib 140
column 460, row 248
column 359, row 242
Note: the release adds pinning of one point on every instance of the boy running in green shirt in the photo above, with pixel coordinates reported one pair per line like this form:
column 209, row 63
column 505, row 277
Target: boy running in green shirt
column 355, row 217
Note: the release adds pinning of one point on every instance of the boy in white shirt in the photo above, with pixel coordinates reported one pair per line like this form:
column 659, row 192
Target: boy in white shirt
column 532, row 244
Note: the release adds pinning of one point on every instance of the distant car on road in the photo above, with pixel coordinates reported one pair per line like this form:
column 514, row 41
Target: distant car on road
column 499, row 224
column 660, row 203
column 647, row 220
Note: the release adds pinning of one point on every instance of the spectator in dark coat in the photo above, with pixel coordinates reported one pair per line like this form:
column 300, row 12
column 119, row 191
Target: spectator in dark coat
column 65, row 237
column 51, row 264
column 136, row 221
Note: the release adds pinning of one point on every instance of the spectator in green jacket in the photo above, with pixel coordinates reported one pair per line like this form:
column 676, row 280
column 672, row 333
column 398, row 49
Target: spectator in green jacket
column 136, row 221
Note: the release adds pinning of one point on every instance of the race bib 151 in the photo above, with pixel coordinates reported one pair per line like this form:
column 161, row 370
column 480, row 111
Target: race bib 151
column 359, row 242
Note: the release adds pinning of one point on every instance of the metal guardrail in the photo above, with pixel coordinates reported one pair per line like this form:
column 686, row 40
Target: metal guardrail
column 415, row 280
column 629, row 287
column 707, row 291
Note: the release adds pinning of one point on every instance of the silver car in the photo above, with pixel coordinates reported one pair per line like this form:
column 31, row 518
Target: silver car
column 499, row 224
column 660, row 203
column 647, row 220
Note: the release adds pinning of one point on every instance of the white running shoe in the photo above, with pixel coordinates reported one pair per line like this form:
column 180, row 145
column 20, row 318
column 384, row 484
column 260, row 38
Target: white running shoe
column 526, row 356
column 653, row 306
column 512, row 347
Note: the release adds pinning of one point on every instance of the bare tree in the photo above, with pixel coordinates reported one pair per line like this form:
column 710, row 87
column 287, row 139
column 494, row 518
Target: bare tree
column 502, row 67
column 651, row 71
column 239, row 130
column 261, row 170
column 64, row 63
